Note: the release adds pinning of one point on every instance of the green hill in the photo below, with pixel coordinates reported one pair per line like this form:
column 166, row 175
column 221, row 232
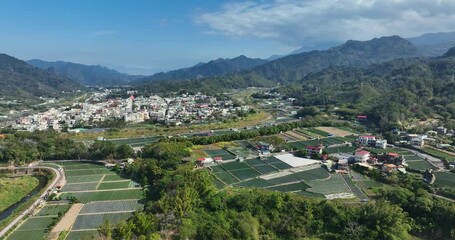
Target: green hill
column 18, row 79
column 293, row 68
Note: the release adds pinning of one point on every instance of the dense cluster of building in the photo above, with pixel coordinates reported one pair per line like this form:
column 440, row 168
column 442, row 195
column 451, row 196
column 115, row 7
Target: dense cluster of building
column 98, row 108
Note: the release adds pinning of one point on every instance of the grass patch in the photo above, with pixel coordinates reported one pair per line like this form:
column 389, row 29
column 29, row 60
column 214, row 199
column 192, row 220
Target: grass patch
column 13, row 189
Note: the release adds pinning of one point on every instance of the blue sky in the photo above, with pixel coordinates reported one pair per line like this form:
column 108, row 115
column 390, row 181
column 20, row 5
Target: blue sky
column 147, row 36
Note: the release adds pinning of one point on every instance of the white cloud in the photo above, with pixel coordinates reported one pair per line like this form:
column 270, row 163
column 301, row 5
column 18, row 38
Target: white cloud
column 313, row 21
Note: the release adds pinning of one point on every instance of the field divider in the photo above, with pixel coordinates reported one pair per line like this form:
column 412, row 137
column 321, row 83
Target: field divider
column 83, row 230
column 283, row 184
column 105, row 190
column 100, row 181
column 43, row 216
column 221, row 165
column 112, row 212
column 81, row 183
column 251, row 167
column 114, row 181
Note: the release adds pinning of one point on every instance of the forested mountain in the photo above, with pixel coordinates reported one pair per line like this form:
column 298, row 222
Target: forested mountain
column 295, row 67
column 19, row 79
column 390, row 93
column 95, row 75
column 216, row 67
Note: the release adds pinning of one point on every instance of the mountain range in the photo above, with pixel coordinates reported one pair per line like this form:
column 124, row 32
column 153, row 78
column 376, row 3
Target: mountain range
column 86, row 75
column 222, row 74
column 295, row 67
column 21, row 80
column 220, row 66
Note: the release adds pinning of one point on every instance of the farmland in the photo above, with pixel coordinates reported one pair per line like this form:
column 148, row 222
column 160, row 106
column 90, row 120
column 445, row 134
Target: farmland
column 274, row 175
column 232, row 172
column 105, row 195
column 37, row 226
column 111, row 206
column 445, row 179
column 220, row 153
column 93, row 221
column 335, row 131
column 439, row 154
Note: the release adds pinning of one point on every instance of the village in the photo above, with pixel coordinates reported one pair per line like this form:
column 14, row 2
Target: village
column 99, row 108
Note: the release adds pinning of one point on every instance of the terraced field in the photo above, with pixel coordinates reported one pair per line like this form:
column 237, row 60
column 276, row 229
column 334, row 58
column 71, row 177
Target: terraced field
column 111, row 206
column 105, row 194
column 314, row 181
column 445, row 179
column 220, row 153
column 37, row 227
column 235, row 171
column 93, row 221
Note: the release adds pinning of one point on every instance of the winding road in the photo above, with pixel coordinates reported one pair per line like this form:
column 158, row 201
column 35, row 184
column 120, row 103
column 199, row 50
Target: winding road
column 59, row 178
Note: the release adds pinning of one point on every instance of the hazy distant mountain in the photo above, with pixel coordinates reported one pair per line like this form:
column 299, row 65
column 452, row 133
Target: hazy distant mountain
column 303, row 49
column 19, row 79
column 216, row 67
column 95, row 75
column 295, row 67
column 434, row 44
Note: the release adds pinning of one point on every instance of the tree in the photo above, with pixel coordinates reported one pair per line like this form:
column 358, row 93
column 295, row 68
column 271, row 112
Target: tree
column 105, row 230
column 308, row 112
column 124, row 151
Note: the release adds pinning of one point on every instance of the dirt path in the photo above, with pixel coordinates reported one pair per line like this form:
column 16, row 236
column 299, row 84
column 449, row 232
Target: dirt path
column 99, row 183
column 66, row 222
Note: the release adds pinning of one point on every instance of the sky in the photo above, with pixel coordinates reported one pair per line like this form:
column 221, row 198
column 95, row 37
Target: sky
column 148, row 36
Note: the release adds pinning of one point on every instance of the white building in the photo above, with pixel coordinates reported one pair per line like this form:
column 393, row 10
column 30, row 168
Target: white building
column 381, row 144
column 362, row 156
column 366, row 140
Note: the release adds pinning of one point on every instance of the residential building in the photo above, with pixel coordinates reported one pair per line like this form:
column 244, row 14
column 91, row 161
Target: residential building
column 362, row 156
column 367, row 140
column 380, row 144
column 313, row 150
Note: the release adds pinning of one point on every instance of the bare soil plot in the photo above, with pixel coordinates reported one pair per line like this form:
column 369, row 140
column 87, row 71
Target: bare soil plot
column 335, row 131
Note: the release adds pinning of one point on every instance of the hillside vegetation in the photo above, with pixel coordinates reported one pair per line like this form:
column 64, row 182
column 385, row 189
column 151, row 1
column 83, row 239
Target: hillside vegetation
column 19, row 80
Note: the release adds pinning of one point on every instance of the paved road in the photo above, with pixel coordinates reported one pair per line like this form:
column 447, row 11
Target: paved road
column 59, row 176
column 439, row 196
